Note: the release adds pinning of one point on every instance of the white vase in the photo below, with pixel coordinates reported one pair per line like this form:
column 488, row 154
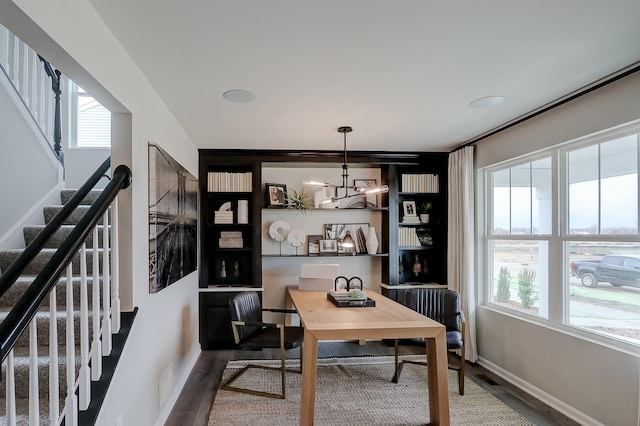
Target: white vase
column 372, row 241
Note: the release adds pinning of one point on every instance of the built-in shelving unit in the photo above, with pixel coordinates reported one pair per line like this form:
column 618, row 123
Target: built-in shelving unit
column 236, row 252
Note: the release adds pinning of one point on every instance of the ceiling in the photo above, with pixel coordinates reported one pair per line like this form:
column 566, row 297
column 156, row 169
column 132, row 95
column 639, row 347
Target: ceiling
column 402, row 74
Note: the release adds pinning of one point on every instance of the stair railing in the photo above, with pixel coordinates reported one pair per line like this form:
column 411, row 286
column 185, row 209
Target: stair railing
column 23, row 314
column 30, row 80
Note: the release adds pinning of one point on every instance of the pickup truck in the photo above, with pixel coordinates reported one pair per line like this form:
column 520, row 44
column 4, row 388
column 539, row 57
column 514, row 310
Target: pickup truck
column 617, row 270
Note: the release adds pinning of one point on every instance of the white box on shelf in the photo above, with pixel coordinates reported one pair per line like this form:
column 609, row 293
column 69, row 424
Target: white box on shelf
column 320, row 270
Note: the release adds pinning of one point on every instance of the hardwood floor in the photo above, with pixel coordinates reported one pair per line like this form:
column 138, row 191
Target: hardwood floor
column 194, row 404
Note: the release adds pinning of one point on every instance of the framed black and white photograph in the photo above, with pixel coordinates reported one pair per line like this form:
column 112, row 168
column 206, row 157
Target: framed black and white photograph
column 409, row 208
column 173, row 220
column 276, row 194
column 328, row 246
column 369, row 201
column 358, row 232
column 313, row 244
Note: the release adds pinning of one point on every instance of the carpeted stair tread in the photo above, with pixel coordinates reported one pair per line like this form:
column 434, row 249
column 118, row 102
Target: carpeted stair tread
column 43, row 325
column 12, row 295
column 7, row 257
column 58, row 237
column 74, row 217
column 90, row 198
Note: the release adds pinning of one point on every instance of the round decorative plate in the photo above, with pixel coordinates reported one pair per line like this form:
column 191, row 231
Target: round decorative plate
column 279, row 230
column 296, row 237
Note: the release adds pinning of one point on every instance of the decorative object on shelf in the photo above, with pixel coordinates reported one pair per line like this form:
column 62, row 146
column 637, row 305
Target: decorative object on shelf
column 296, row 238
column 313, row 244
column 320, row 197
column 236, row 269
column 424, row 210
column 276, row 194
column 359, row 191
column 298, row 201
column 358, row 232
column 424, row 236
column 223, row 271
column 417, row 268
column 279, row 230
column 372, row 241
column 243, row 211
column 370, row 201
column 409, row 208
column 177, row 205
column 328, row 246
column 224, row 214
column 230, row 239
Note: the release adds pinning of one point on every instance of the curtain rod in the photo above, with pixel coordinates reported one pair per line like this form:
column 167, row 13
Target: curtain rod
column 631, row 69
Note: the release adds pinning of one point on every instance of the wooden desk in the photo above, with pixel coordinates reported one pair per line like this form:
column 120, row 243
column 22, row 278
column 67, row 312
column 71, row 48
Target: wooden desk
column 322, row 320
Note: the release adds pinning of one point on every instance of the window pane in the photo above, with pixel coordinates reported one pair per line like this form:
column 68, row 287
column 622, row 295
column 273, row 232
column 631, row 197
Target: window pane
column 541, row 187
column 583, row 190
column 501, row 202
column 521, row 199
column 604, row 296
column 520, row 271
column 619, row 181
column 94, row 123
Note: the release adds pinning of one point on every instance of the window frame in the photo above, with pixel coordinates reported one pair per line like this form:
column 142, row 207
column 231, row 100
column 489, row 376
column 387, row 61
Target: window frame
column 75, row 92
column 558, row 239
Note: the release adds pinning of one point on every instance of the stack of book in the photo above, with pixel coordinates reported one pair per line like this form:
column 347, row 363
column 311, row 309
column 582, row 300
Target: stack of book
column 230, row 239
column 407, row 237
column 223, row 217
column 410, row 219
column 420, row 182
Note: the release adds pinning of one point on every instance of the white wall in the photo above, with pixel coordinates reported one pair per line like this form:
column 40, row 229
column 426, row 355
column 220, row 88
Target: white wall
column 28, row 165
column 80, row 163
column 590, row 381
column 163, row 343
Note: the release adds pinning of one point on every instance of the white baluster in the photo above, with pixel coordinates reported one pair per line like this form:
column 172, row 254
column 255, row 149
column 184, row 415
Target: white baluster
column 84, row 375
column 54, row 380
column 4, row 46
column 115, row 263
column 10, row 390
column 23, row 78
column 106, row 294
column 71, row 400
column 96, row 345
column 14, row 56
column 34, row 383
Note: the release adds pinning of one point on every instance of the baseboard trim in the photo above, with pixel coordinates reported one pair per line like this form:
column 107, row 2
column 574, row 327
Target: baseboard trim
column 539, row 394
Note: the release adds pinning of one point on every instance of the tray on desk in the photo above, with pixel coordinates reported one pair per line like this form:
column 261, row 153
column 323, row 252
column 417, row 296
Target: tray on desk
column 341, row 300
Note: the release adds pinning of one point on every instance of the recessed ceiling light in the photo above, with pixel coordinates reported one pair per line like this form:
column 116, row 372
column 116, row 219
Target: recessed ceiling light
column 486, row 102
column 239, row 96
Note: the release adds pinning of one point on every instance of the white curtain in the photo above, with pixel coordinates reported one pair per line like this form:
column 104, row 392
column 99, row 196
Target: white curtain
column 461, row 246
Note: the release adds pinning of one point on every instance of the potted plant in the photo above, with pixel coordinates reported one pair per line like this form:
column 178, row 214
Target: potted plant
column 298, row 200
column 424, row 210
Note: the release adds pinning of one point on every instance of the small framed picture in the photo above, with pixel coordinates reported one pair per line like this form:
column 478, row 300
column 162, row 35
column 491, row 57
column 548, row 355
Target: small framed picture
column 328, row 247
column 313, row 244
column 276, row 194
column 409, row 208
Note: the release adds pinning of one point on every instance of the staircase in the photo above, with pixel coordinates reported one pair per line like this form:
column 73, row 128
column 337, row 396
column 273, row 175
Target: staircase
column 21, row 350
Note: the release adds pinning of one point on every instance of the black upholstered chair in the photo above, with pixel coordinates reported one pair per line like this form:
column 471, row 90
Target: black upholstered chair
column 442, row 305
column 251, row 332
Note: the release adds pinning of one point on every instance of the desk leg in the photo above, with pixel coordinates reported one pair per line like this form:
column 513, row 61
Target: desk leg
column 309, row 372
column 437, row 380
column 288, row 304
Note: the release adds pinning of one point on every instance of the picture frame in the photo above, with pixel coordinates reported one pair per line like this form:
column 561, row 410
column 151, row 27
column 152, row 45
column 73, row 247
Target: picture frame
column 409, row 208
column 328, row 246
column 276, row 195
column 313, row 244
column 369, row 201
column 358, row 231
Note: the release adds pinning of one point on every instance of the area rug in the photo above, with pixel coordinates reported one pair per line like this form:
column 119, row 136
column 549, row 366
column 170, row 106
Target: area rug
column 355, row 391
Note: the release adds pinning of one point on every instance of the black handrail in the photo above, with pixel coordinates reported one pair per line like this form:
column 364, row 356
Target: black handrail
column 27, row 306
column 13, row 272
column 56, row 87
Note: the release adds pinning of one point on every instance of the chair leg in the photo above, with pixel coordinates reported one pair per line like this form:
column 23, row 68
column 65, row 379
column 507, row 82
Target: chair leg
column 398, row 368
column 461, row 372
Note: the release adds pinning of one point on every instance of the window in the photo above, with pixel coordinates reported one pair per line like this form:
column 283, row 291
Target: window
column 592, row 261
column 521, row 197
column 90, row 121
